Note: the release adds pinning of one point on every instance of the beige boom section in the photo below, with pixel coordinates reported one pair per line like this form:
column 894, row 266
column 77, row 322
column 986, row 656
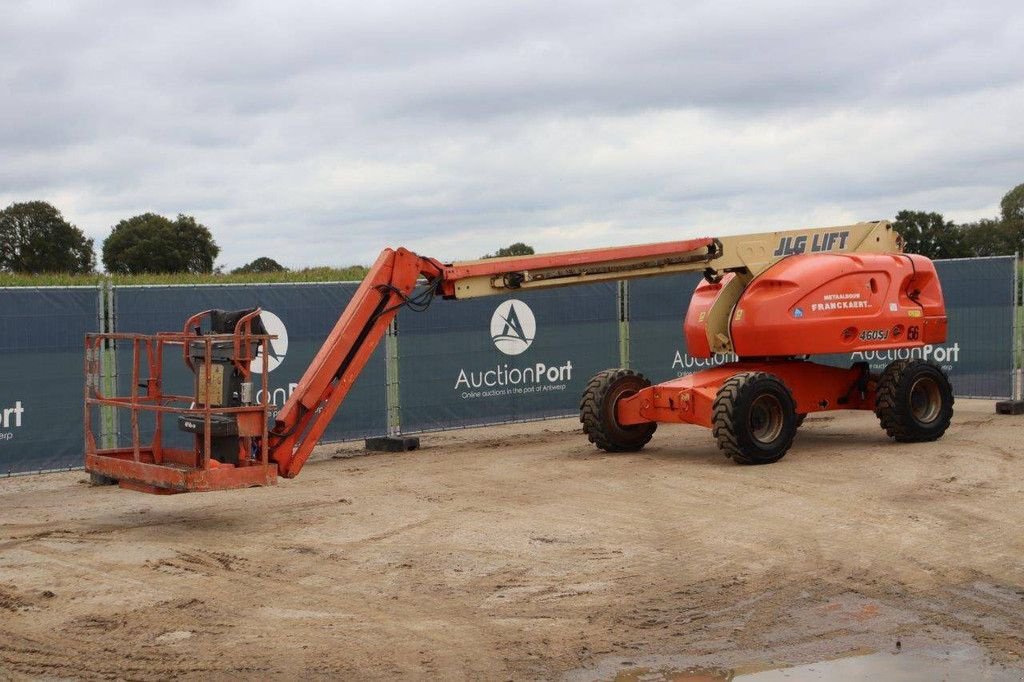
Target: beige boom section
column 746, row 255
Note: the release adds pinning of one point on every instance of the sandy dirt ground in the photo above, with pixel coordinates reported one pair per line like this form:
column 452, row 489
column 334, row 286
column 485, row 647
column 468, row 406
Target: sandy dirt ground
column 520, row 552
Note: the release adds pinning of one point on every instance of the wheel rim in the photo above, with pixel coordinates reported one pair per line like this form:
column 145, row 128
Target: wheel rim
column 925, row 400
column 766, row 419
column 613, row 403
column 621, row 394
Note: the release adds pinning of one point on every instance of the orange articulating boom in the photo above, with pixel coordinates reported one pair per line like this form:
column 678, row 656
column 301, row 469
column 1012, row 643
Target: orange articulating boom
column 771, row 299
column 321, row 390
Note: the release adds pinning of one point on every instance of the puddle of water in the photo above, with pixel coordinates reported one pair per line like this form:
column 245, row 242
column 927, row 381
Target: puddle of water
column 883, row 666
column 877, row 666
column 689, row 675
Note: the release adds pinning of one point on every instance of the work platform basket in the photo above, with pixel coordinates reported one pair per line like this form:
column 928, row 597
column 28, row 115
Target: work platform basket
column 142, row 460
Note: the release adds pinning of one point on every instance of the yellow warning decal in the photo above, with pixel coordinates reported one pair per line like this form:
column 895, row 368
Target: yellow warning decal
column 914, row 313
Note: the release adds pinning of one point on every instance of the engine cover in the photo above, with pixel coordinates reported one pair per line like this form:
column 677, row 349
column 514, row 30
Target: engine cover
column 830, row 303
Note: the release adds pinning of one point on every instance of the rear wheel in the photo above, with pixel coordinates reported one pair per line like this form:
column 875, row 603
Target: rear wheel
column 754, row 418
column 914, row 401
column 597, row 411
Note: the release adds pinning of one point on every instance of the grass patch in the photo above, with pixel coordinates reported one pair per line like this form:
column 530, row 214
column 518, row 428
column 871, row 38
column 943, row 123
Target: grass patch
column 352, row 273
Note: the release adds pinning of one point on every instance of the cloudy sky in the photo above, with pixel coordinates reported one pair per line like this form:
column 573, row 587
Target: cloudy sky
column 319, row 132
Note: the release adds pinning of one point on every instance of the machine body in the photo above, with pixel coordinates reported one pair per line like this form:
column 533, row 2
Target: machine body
column 769, row 299
column 818, row 304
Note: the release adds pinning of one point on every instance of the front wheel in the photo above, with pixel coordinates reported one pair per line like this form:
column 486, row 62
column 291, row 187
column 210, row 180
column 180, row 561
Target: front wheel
column 597, row 411
column 914, row 402
column 754, row 418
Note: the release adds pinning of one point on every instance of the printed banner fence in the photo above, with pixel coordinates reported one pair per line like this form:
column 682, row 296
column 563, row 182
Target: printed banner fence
column 490, row 360
column 460, row 363
column 42, row 332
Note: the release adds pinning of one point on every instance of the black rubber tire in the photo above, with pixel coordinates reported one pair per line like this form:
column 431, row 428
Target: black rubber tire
column 100, row 479
column 597, row 411
column 800, row 417
column 900, row 401
column 733, row 419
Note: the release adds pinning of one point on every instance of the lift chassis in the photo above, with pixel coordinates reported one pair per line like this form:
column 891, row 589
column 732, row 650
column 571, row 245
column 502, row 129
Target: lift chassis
column 768, row 301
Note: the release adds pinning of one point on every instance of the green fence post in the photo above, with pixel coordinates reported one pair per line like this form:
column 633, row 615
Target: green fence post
column 1017, row 311
column 623, row 301
column 108, row 367
column 394, row 410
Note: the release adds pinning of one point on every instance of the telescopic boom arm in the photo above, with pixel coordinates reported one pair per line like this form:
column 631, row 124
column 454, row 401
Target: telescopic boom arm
column 392, row 283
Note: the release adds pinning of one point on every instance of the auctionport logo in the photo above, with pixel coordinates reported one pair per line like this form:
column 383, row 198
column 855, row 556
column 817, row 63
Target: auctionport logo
column 513, row 327
column 684, row 364
column 278, row 346
column 939, row 354
column 10, row 418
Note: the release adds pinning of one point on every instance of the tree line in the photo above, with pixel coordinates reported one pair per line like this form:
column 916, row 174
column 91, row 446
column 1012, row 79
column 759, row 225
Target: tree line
column 35, row 238
column 930, row 234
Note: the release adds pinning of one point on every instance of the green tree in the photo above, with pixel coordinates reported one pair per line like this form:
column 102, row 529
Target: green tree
column 1012, row 204
column 990, row 237
column 262, row 264
column 1013, row 236
column 929, row 234
column 1012, row 211
column 984, row 237
column 35, row 237
column 517, row 249
column 151, row 243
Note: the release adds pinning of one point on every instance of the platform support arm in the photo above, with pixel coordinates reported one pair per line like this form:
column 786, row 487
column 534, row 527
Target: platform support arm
column 304, row 417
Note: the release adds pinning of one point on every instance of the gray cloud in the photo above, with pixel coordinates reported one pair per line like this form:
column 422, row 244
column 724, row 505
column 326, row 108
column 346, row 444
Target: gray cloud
column 320, row 132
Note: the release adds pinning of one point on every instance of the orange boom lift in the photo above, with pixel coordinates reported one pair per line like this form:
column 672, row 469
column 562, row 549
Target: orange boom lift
column 771, row 299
